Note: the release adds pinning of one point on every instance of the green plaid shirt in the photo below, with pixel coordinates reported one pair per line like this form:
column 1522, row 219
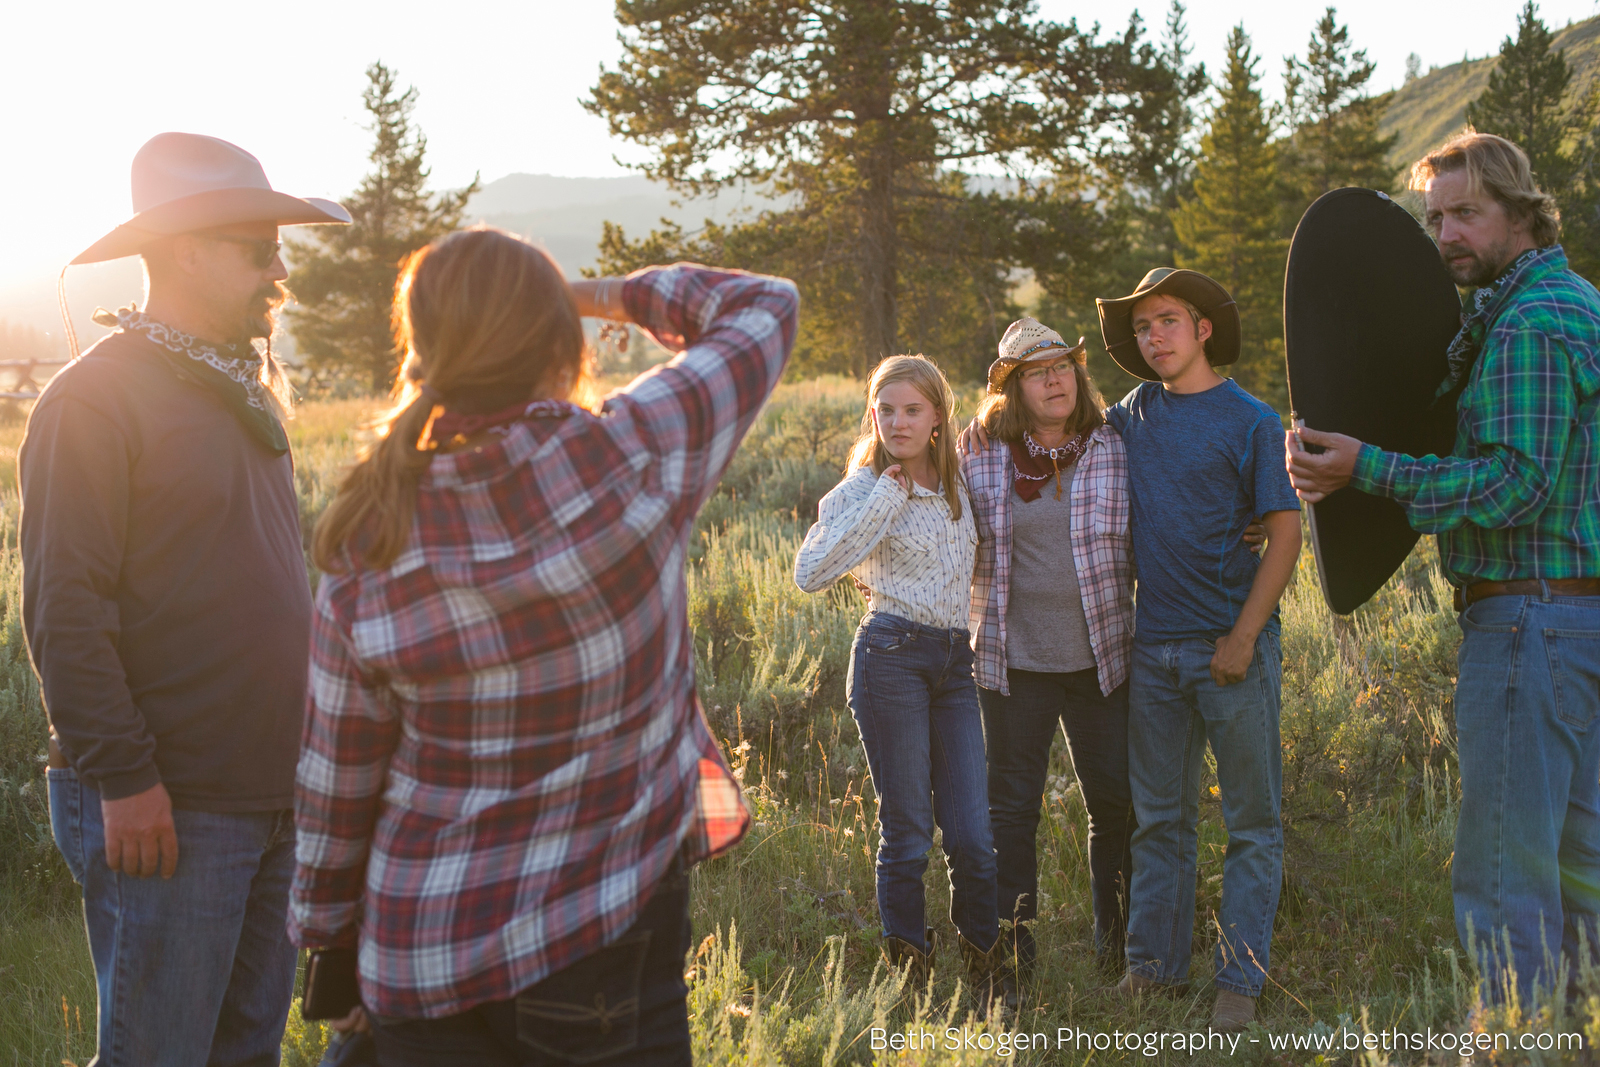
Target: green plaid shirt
column 1519, row 497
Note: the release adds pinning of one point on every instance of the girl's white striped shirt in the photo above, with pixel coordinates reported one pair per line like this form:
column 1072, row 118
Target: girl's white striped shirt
column 904, row 547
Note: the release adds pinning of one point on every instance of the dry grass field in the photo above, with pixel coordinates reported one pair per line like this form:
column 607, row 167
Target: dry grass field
column 787, row 971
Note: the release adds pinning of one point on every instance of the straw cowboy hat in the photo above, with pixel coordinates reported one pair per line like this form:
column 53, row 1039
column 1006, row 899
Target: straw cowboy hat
column 184, row 182
column 1116, row 318
column 1028, row 341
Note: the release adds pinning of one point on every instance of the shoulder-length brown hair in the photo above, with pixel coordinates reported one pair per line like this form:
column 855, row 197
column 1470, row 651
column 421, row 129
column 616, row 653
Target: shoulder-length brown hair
column 477, row 313
column 924, row 375
column 1499, row 167
column 1004, row 415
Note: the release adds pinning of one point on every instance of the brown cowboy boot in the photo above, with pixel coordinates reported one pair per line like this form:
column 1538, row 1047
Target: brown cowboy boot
column 991, row 974
column 899, row 954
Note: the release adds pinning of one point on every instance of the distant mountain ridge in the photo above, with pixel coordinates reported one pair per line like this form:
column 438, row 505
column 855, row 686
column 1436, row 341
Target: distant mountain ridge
column 1427, row 110
column 567, row 215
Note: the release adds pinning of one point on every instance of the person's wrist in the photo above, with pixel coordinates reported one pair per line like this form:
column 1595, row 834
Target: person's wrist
column 129, row 784
column 1364, row 469
column 1244, row 634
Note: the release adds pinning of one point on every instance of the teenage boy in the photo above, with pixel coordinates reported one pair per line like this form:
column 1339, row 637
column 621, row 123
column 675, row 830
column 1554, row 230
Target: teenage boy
column 1204, row 458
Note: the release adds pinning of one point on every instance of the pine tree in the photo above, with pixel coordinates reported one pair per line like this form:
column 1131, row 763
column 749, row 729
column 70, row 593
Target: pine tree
column 1161, row 129
column 1525, row 100
column 1334, row 140
column 343, row 277
column 1230, row 228
column 859, row 114
column 1580, row 200
column 1530, row 100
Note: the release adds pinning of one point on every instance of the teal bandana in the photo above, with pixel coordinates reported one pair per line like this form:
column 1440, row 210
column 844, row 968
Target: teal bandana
column 232, row 372
column 1475, row 314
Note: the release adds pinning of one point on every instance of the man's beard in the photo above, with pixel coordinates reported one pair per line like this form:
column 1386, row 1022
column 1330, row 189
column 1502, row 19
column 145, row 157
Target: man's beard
column 262, row 317
column 1480, row 269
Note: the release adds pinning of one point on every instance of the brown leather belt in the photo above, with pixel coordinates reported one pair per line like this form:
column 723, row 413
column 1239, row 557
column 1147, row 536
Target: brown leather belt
column 53, row 757
column 1532, row 587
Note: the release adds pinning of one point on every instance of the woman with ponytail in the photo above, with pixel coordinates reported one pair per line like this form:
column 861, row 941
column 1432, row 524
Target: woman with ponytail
column 901, row 523
column 505, row 772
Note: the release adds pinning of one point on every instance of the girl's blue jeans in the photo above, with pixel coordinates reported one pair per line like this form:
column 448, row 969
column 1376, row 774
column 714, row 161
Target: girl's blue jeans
column 910, row 689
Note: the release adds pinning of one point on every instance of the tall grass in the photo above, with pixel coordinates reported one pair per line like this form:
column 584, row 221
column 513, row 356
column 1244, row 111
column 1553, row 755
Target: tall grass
column 787, row 971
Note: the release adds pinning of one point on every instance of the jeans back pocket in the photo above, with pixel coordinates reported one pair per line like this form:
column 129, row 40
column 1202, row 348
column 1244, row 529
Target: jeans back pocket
column 590, row 1010
column 1575, row 674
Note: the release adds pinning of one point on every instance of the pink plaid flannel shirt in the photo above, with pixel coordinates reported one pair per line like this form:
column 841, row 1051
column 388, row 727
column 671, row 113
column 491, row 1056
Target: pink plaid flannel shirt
column 503, row 747
column 1102, row 553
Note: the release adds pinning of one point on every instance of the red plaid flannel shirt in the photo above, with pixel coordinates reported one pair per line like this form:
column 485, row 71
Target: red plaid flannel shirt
column 1102, row 555
column 503, row 747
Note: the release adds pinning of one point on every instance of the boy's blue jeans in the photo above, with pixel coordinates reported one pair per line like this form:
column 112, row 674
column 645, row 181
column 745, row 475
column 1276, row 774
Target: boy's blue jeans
column 1174, row 710
column 910, row 689
column 196, row 969
column 1527, row 859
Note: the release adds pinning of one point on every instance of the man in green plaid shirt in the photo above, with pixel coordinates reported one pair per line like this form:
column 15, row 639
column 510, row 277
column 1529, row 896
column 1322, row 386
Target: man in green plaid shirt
column 1516, row 508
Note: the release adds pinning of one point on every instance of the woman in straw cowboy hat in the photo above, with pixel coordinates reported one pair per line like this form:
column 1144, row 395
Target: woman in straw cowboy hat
column 902, row 524
column 1052, row 608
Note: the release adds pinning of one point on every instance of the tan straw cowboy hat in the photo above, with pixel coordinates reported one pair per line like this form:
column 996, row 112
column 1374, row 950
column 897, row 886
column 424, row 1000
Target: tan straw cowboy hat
column 1028, row 341
column 184, row 182
column 1206, row 294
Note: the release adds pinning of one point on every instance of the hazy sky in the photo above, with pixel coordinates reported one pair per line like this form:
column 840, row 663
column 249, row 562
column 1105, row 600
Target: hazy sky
column 86, row 82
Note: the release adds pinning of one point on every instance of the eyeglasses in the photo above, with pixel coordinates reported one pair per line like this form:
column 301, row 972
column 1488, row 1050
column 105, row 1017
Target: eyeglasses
column 1039, row 374
column 260, row 251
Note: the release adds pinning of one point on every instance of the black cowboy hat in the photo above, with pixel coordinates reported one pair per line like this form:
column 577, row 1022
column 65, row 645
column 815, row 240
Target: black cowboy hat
column 1368, row 311
column 1116, row 318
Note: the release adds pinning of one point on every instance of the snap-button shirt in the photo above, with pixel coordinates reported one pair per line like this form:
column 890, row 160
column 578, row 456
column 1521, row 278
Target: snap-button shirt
column 903, row 546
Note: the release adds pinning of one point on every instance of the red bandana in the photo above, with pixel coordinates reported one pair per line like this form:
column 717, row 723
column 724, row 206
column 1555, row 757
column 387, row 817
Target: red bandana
column 1036, row 463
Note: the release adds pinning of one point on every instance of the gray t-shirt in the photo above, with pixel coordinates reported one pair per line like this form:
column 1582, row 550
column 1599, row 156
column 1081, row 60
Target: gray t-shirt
column 1045, row 626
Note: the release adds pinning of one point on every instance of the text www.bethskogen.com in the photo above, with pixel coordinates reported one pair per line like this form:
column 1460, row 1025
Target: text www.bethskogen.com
column 1319, row 1039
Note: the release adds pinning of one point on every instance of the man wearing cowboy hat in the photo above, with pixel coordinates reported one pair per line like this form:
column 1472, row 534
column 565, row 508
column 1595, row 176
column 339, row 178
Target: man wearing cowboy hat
column 1204, row 458
column 167, row 614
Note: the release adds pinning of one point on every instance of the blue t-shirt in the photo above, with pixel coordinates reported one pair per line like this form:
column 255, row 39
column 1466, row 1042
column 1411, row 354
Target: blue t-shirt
column 1200, row 467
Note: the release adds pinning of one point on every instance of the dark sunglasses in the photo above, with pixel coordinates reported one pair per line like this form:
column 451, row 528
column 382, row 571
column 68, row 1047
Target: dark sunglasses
column 261, row 251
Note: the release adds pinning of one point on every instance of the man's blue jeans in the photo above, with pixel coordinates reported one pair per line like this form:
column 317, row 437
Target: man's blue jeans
column 1527, row 859
column 910, row 689
column 1174, row 710
column 196, row 969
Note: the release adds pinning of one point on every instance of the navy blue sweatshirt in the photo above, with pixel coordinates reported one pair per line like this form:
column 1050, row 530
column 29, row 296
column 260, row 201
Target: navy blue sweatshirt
column 165, row 596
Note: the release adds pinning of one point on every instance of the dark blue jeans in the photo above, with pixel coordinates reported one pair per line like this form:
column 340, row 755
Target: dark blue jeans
column 1174, row 711
column 1527, row 861
column 910, row 689
column 192, row 970
column 623, row 1006
column 1019, row 729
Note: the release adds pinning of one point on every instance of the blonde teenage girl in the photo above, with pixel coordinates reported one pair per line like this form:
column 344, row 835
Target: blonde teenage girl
column 900, row 522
